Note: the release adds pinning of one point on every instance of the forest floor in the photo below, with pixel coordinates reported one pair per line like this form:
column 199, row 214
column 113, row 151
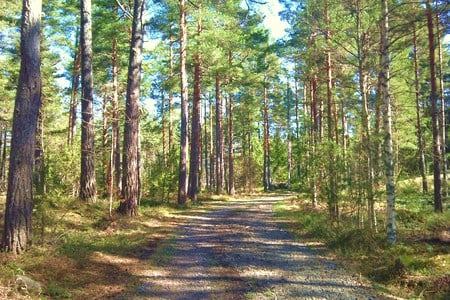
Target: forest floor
column 234, row 249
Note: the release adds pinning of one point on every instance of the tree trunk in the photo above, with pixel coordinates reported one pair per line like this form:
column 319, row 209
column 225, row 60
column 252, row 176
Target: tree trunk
column 366, row 132
column 212, row 160
column 332, row 197
column 131, row 172
column 182, row 178
column 266, row 146
column 420, row 140
column 196, row 130
column 88, row 189
column 442, row 119
column 434, row 112
column 388, row 145
column 17, row 232
column 231, row 186
column 219, row 140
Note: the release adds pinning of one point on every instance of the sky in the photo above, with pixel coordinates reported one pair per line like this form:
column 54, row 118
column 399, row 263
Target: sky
column 272, row 20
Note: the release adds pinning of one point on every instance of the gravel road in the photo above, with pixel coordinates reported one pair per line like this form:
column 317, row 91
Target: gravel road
column 240, row 251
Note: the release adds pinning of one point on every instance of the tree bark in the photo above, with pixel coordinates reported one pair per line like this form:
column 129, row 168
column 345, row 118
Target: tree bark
column 182, row 177
column 196, row 130
column 388, row 144
column 219, row 140
column 131, row 172
column 434, row 112
column 88, row 189
column 266, row 145
column 442, row 119
column 17, row 232
column 231, row 185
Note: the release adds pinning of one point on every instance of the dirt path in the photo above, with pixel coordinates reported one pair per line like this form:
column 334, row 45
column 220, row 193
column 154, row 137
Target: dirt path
column 240, row 252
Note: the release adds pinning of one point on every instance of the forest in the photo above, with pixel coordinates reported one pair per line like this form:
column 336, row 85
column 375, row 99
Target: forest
column 119, row 114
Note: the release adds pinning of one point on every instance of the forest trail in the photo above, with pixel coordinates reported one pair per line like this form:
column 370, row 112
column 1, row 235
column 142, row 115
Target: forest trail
column 240, row 251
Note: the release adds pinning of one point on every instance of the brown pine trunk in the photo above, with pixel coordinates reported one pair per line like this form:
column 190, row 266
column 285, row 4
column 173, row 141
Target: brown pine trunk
column 131, row 172
column 196, row 130
column 219, row 140
column 3, row 159
column 420, row 140
column 434, row 112
column 88, row 189
column 332, row 197
column 106, row 154
column 231, row 187
column 182, row 178
column 266, row 146
column 212, row 160
column 17, row 232
column 39, row 166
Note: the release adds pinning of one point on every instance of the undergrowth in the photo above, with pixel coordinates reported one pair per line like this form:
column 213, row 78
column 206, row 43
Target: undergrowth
column 417, row 266
column 81, row 251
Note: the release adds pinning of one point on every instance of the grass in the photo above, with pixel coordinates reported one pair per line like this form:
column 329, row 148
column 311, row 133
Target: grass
column 417, row 266
column 80, row 251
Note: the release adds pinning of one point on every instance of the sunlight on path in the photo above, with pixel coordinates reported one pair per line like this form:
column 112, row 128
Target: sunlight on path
column 240, row 252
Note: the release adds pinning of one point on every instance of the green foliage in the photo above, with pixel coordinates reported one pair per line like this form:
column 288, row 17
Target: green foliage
column 419, row 254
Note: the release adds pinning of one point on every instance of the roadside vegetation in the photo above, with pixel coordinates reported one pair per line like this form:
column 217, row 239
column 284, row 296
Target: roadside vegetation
column 417, row 267
column 80, row 251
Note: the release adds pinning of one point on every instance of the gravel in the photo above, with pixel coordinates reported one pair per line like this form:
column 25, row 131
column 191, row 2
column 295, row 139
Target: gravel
column 240, row 251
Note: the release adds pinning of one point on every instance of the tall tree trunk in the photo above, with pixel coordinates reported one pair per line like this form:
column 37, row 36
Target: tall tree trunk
column 420, row 140
column 212, row 160
column 115, row 140
column 206, row 146
column 182, row 179
column 196, row 130
column 266, row 146
column 231, row 187
column 131, row 172
column 366, row 138
column 388, row 144
column 17, row 231
column 219, row 140
column 434, row 112
column 332, row 197
column 442, row 119
column 74, row 92
column 88, row 189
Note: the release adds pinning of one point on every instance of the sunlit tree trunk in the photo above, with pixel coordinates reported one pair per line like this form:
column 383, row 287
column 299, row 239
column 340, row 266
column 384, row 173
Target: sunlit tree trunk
column 116, row 169
column 442, row 119
column 131, row 172
column 182, row 177
column 434, row 112
column 266, row 140
column 88, row 189
column 17, row 230
column 388, row 144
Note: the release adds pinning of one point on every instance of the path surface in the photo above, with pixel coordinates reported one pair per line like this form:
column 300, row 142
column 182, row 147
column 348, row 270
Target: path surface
column 239, row 251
